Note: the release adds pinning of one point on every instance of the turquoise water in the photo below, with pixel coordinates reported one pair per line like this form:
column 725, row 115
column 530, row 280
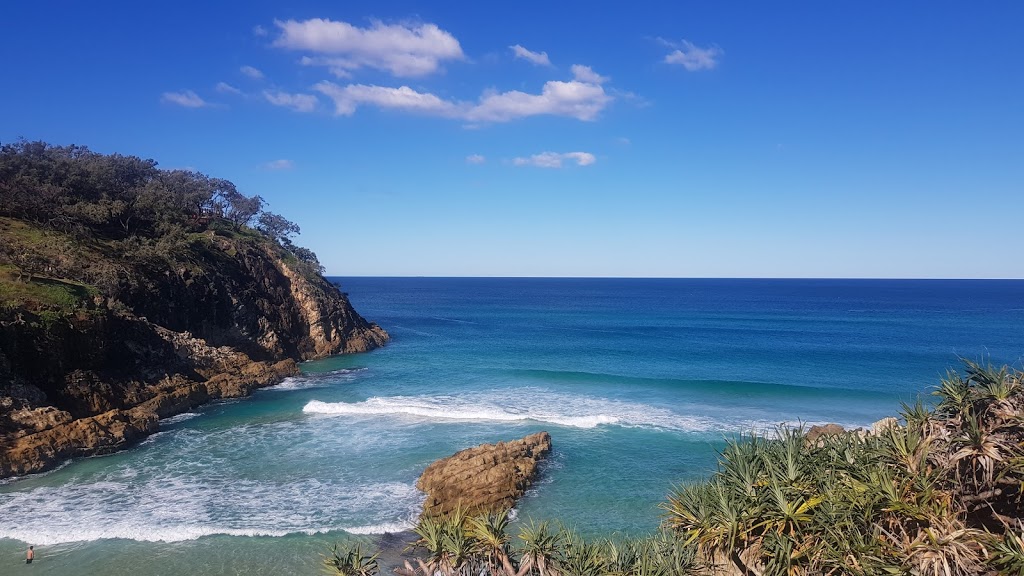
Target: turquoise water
column 638, row 381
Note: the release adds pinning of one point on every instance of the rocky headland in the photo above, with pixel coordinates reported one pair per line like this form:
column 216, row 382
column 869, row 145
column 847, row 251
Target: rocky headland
column 129, row 294
column 483, row 479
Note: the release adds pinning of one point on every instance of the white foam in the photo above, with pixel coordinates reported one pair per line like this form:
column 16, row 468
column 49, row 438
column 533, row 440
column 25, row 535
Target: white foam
column 180, row 417
column 521, row 405
column 321, row 380
column 386, row 528
column 173, row 508
column 431, row 410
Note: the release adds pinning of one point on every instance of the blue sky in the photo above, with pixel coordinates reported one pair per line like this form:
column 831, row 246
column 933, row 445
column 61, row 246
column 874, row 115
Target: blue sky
column 658, row 139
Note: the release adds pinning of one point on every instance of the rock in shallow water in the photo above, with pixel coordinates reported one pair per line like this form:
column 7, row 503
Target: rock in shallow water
column 485, row 478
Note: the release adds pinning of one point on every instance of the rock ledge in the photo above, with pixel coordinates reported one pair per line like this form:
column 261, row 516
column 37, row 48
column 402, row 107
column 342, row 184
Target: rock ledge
column 485, row 478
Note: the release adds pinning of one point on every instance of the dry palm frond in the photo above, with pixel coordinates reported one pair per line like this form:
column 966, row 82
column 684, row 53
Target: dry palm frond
column 945, row 550
column 981, row 448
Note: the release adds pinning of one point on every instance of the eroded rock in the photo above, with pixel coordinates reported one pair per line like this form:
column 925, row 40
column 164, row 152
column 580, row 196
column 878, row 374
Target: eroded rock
column 817, row 431
column 485, row 478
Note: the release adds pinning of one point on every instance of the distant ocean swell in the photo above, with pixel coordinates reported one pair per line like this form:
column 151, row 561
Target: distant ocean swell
column 721, row 387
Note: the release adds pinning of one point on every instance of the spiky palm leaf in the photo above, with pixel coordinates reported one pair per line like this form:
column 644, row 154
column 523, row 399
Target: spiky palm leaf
column 539, row 548
column 350, row 561
column 1008, row 553
column 491, row 539
column 577, row 557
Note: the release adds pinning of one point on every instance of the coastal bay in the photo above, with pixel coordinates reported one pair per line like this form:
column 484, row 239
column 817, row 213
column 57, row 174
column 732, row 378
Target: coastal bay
column 638, row 381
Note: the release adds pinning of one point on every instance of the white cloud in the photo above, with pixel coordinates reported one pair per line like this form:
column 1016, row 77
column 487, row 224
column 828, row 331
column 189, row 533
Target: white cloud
column 538, row 58
column 575, row 99
column 335, row 66
column 693, row 57
column 348, row 98
column 475, row 159
column 251, row 72
column 402, row 50
column 297, row 102
column 278, row 165
column 186, row 98
column 586, row 74
column 579, row 99
column 555, row 159
column 259, row 31
column 225, row 88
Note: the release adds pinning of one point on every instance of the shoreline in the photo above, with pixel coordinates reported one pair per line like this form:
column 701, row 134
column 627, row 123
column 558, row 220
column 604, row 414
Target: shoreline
column 120, row 429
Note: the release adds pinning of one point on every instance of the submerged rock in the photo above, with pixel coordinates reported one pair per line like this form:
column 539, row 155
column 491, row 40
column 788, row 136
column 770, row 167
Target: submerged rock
column 485, row 478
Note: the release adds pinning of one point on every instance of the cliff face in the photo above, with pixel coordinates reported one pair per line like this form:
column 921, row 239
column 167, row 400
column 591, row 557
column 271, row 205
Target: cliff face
column 232, row 312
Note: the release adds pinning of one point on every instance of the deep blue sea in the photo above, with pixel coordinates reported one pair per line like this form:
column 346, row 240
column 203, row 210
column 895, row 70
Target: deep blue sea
column 638, row 382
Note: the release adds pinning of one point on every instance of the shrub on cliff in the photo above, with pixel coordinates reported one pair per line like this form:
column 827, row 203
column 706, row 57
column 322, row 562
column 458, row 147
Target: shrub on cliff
column 122, row 205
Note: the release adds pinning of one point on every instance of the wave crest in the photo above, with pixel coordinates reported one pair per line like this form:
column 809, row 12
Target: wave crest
column 521, row 406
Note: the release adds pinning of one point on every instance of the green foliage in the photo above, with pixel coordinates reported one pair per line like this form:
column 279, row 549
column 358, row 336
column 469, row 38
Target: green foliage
column 939, row 495
column 915, row 498
column 42, row 294
column 470, row 546
column 1008, row 552
column 350, row 561
column 72, row 214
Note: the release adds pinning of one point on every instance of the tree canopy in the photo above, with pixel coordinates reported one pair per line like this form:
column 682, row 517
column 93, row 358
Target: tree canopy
column 75, row 190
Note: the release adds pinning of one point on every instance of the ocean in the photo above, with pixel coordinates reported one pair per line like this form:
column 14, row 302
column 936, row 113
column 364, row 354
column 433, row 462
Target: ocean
column 639, row 382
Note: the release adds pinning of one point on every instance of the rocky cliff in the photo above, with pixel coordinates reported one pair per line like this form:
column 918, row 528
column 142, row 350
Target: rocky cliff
column 129, row 294
column 97, row 378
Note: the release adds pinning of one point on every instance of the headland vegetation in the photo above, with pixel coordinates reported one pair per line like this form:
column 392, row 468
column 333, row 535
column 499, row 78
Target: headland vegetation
column 129, row 293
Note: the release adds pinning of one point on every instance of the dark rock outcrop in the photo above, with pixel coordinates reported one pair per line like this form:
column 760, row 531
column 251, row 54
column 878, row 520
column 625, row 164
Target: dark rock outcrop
column 485, row 478
column 98, row 378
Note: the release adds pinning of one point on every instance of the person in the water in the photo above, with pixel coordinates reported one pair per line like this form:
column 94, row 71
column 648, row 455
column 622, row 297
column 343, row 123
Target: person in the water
column 30, row 555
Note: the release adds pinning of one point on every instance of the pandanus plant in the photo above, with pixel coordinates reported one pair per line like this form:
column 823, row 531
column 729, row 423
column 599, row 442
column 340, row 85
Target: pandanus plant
column 350, row 561
column 939, row 495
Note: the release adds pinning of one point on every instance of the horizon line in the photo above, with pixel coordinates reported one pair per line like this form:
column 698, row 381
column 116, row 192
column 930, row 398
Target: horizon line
column 499, row 277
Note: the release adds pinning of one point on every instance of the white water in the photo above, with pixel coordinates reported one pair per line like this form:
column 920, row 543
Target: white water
column 535, row 405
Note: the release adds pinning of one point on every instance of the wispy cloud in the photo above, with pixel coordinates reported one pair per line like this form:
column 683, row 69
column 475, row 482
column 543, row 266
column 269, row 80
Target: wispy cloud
column 251, row 72
column 475, row 159
column 225, row 88
column 582, row 98
column 538, row 58
column 348, row 98
column 555, row 159
column 692, row 57
column 586, row 74
column 278, row 165
column 259, row 31
column 186, row 98
column 402, row 50
column 297, row 102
